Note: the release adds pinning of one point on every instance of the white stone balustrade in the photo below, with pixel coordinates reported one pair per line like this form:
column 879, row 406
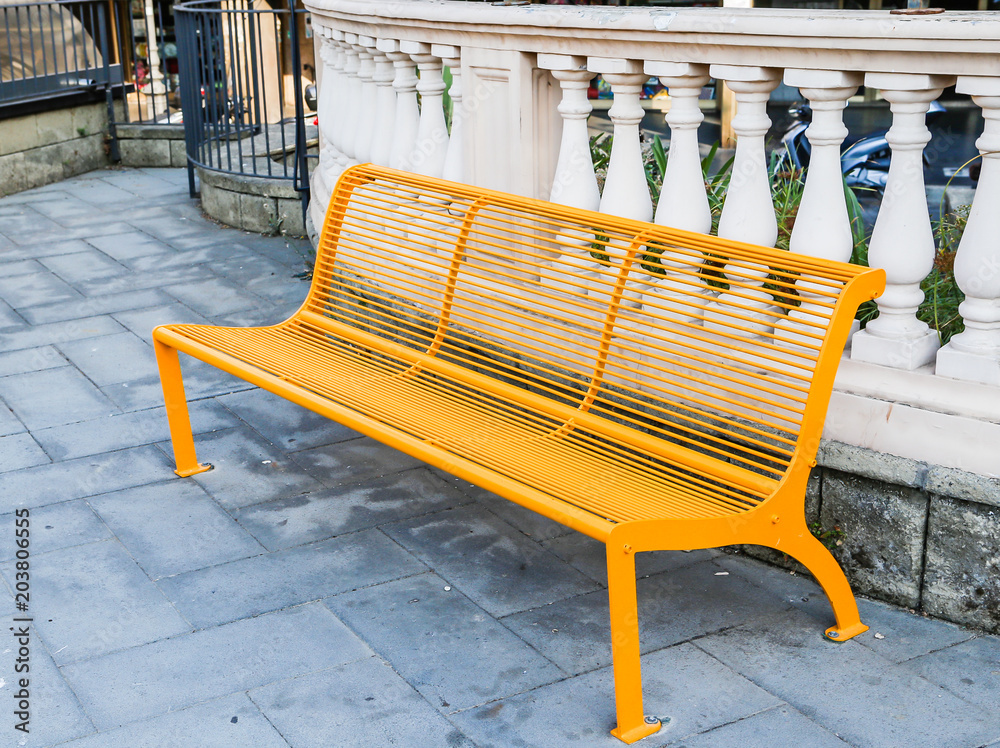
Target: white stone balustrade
column 902, row 241
column 748, row 212
column 431, row 146
column 975, row 353
column 521, row 124
column 822, row 226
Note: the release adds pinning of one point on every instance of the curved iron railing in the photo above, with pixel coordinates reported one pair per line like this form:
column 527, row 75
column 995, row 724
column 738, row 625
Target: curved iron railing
column 242, row 113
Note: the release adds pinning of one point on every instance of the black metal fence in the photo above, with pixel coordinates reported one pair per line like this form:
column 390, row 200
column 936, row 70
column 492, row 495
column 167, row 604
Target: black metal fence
column 242, row 113
column 51, row 50
column 55, row 54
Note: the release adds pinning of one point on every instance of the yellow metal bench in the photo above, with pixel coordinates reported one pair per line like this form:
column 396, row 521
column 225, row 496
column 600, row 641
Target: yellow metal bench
column 652, row 388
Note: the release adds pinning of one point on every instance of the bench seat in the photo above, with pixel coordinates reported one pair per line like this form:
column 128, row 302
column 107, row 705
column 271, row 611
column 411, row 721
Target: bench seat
column 652, row 388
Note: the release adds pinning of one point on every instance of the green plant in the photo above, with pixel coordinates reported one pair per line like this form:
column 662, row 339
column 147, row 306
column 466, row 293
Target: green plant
column 829, row 538
column 81, row 131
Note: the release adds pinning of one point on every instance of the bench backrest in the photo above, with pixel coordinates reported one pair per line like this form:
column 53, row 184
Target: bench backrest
column 689, row 345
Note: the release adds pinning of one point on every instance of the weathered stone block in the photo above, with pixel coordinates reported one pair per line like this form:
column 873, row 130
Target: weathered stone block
column 870, row 464
column 884, row 528
column 962, row 578
column 13, row 174
column 960, row 484
column 145, row 152
column 222, row 205
column 290, row 211
column 19, row 134
column 258, row 213
column 178, row 153
column 90, row 120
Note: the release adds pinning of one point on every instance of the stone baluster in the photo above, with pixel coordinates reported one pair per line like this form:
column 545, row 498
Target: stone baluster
column 454, row 160
column 683, row 201
column 974, row 355
column 431, row 144
column 902, row 242
column 574, row 183
column 625, row 191
column 330, row 56
column 385, row 109
column 349, row 107
column 407, row 113
column 748, row 212
column 822, row 225
column 369, row 92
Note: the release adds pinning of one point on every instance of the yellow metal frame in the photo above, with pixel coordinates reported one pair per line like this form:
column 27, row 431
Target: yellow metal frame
column 750, row 506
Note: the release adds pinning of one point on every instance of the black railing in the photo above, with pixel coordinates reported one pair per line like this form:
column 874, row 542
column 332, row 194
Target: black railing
column 242, row 115
column 55, row 54
column 51, row 50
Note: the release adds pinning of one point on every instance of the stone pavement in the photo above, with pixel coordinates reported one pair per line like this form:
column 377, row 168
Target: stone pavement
column 317, row 589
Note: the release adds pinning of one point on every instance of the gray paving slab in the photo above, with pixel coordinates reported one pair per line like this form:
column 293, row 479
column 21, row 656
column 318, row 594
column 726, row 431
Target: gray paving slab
column 230, row 721
column 249, row 469
column 495, row 565
column 850, row 690
column 84, row 266
column 316, row 516
column 92, row 306
column 442, row 643
column 904, row 634
column 97, row 192
column 58, row 332
column 272, row 581
column 213, row 296
column 55, row 713
column 19, row 223
column 69, row 210
column 284, row 423
column 674, row 607
column 55, row 527
column 590, row 557
column 22, row 267
column 20, row 451
column 114, row 605
column 532, row 524
column 142, row 321
column 200, row 381
column 87, row 476
column 354, row 461
column 139, row 281
column 9, row 318
column 148, row 681
column 364, row 702
column 265, row 313
column 694, row 690
column 111, row 359
column 45, row 248
column 56, row 240
column 9, row 423
column 127, row 247
column 780, row 726
column 200, row 255
column 53, row 397
column 126, row 430
column 30, row 359
column 971, row 670
column 173, row 527
column 35, row 288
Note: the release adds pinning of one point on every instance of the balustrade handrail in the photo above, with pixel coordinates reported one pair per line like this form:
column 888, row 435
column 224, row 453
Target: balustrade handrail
column 787, row 37
column 520, row 79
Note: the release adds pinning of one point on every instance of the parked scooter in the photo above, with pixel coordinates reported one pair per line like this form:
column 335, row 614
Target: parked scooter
column 865, row 163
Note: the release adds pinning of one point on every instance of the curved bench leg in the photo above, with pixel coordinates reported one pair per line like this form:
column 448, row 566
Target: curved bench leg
column 822, row 565
column 177, row 411
column 625, row 647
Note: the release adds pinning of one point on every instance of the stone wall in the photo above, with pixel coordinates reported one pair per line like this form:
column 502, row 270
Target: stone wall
column 152, row 145
column 917, row 535
column 38, row 149
column 265, row 206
